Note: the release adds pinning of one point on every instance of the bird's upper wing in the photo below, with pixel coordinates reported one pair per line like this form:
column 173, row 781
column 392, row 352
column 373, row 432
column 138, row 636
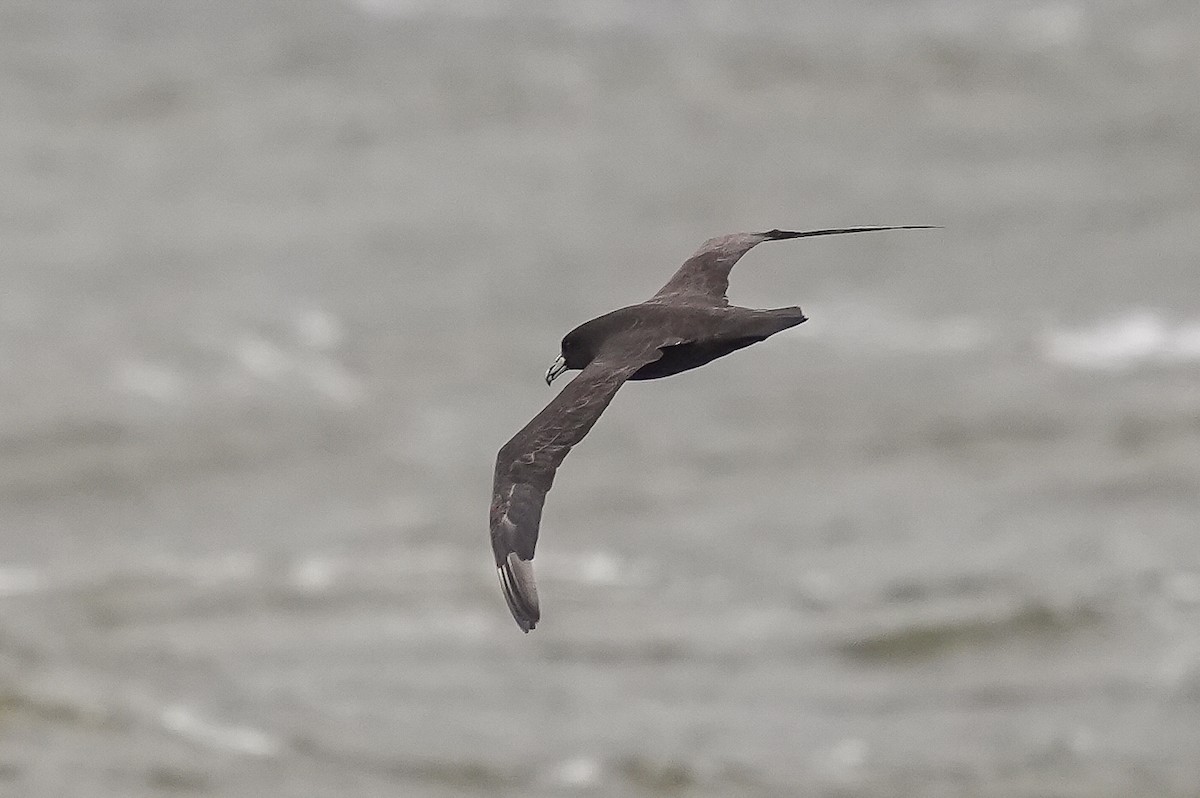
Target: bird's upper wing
column 704, row 277
column 526, row 464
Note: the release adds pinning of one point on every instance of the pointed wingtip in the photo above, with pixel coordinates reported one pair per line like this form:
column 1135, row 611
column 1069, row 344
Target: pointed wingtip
column 778, row 235
column 520, row 591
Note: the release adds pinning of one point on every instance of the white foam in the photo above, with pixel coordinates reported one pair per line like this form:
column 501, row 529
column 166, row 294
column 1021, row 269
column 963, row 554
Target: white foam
column 334, row 382
column 1132, row 339
column 268, row 362
column 404, row 9
column 318, row 329
column 20, row 581
column 577, row 773
column 185, row 722
column 314, row 574
column 149, row 380
column 1049, row 26
column 261, row 358
column 601, row 568
column 819, row 588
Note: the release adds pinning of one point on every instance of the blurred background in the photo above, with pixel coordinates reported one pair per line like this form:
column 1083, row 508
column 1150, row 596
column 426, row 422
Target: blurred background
column 278, row 279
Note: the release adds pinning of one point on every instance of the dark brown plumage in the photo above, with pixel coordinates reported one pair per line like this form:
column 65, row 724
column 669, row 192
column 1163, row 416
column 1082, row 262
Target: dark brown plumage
column 688, row 323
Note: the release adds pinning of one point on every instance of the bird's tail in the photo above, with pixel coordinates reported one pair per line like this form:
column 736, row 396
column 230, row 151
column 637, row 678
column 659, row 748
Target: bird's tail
column 782, row 318
column 520, row 590
column 759, row 325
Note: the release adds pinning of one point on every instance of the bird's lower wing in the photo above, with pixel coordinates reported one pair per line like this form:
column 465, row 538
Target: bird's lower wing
column 525, row 469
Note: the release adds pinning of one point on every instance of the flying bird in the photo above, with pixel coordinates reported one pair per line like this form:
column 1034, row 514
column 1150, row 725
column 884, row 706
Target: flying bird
column 688, row 323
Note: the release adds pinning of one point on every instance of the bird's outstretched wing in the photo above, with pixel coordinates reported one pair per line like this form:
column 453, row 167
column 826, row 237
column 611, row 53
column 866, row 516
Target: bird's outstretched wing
column 526, row 465
column 704, row 277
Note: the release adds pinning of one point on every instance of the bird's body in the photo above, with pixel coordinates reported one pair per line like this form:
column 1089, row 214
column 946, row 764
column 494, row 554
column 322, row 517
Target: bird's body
column 687, row 335
column 687, row 324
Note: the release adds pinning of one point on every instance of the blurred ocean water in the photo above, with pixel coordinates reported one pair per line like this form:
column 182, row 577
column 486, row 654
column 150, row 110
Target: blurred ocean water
column 280, row 277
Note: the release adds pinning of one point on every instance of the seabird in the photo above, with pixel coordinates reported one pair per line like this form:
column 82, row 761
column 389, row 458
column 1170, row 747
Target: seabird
column 688, row 323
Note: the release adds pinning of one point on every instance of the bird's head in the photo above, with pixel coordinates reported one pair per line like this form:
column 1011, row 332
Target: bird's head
column 577, row 351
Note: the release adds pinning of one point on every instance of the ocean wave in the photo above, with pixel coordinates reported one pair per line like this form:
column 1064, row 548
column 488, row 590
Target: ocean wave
column 868, row 327
column 20, row 580
column 648, row 774
column 190, row 724
column 310, row 365
column 69, row 708
column 468, row 772
column 1133, row 339
column 601, row 569
column 925, row 638
column 302, row 358
column 169, row 586
column 1141, row 337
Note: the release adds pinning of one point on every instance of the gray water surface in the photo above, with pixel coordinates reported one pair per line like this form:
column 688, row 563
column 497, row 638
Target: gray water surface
column 278, row 278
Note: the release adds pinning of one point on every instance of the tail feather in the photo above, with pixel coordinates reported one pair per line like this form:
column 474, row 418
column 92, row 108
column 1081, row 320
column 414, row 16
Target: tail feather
column 787, row 317
column 520, row 590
